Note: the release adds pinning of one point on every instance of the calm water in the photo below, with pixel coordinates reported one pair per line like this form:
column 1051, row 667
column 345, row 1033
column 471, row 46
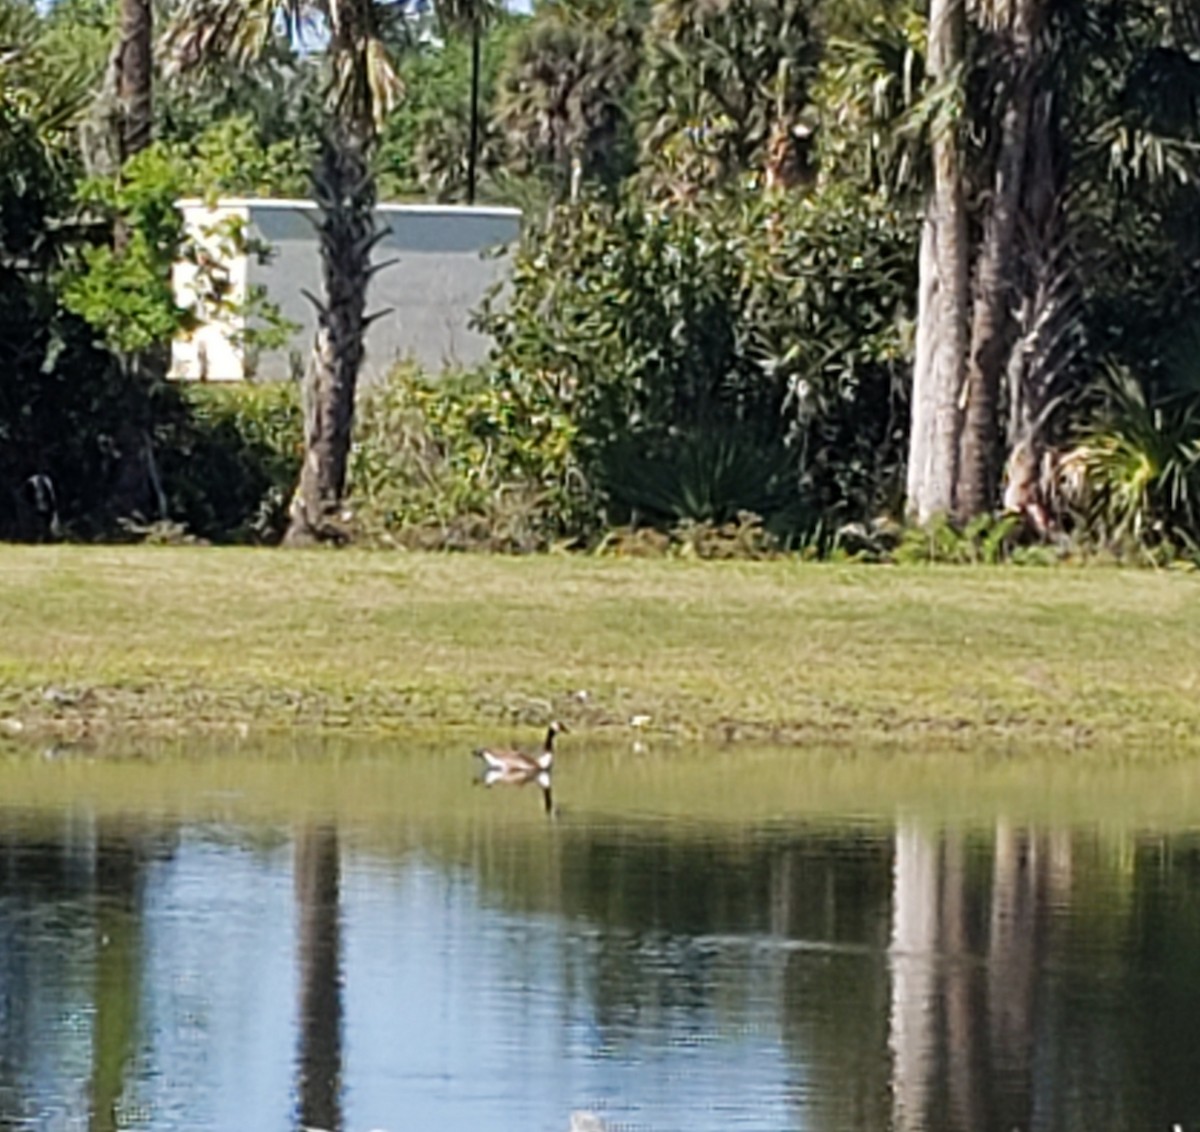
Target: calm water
column 362, row 939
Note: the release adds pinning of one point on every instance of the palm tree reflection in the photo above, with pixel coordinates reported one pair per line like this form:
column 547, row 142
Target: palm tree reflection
column 319, row 1064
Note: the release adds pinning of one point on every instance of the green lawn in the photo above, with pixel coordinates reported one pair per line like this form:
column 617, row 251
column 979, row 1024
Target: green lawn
column 160, row 640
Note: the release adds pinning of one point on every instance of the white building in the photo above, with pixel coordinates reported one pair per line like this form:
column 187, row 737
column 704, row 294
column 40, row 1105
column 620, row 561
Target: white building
column 446, row 259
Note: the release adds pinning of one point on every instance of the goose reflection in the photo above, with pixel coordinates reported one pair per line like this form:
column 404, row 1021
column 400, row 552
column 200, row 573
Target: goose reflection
column 509, row 776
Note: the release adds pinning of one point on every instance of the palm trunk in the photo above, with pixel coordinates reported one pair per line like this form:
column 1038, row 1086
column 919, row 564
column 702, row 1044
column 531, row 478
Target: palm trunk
column 996, row 289
column 345, row 192
column 134, row 63
column 943, row 298
column 1049, row 320
column 321, row 1010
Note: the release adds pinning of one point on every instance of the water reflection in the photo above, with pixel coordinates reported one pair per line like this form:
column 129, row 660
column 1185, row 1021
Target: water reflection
column 487, row 968
column 320, row 936
column 517, row 778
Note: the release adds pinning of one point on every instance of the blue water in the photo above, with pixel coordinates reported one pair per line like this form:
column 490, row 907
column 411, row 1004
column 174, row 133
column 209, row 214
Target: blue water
column 172, row 972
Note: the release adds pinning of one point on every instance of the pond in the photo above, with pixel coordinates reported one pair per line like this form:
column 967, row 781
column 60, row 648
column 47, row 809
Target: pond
column 360, row 937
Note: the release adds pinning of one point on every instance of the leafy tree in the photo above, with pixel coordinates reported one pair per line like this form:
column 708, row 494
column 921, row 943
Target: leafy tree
column 723, row 358
column 74, row 425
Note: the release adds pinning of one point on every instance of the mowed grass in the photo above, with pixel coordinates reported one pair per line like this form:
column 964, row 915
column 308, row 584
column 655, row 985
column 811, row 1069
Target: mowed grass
column 111, row 640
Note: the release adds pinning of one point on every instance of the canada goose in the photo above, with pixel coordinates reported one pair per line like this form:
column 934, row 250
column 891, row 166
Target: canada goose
column 518, row 762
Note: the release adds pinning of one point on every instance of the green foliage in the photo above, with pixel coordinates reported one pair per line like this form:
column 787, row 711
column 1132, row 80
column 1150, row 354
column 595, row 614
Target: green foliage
column 424, row 146
column 230, row 158
column 67, row 412
column 710, row 474
column 721, row 359
column 51, row 62
column 985, row 541
column 230, row 464
column 269, row 102
column 1139, row 466
column 33, row 188
column 719, row 79
column 464, row 462
column 870, row 87
column 563, row 98
column 125, row 292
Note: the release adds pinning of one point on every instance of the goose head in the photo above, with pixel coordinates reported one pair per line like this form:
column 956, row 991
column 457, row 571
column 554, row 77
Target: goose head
column 546, row 759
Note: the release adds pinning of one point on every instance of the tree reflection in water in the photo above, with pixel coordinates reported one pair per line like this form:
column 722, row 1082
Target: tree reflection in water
column 922, row 977
column 319, row 1064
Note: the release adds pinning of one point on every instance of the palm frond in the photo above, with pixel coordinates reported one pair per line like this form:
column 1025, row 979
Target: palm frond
column 359, row 39
column 208, row 31
column 51, row 76
column 464, row 16
column 1140, row 465
column 874, row 108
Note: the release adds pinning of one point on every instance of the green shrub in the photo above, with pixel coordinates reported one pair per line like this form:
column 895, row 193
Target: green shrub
column 229, row 468
column 730, row 355
column 1138, row 464
column 465, row 462
column 987, row 540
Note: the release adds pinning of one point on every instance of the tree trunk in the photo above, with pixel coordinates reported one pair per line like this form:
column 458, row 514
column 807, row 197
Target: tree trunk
column 1050, row 322
column 943, row 297
column 916, row 887
column 1015, row 26
column 134, row 62
column 344, row 188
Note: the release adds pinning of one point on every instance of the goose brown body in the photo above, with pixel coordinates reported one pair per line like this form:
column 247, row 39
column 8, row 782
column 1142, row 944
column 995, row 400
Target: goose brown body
column 519, row 763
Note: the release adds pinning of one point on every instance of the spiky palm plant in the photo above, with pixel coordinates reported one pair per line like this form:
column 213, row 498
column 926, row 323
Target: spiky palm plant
column 562, row 95
column 358, row 39
column 1140, row 464
column 48, row 68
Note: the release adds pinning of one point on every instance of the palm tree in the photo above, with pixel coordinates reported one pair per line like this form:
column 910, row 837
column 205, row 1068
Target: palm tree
column 134, row 63
column 359, row 41
column 943, row 297
column 562, row 94
column 734, row 74
column 1030, row 130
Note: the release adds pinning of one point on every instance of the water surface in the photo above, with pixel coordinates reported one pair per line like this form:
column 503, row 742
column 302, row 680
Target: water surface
column 358, row 938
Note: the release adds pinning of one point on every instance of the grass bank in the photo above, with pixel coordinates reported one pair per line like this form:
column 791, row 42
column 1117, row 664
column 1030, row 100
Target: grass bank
column 162, row 640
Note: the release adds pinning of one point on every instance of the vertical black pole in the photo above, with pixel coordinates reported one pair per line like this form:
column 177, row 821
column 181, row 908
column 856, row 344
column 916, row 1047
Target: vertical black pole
column 473, row 152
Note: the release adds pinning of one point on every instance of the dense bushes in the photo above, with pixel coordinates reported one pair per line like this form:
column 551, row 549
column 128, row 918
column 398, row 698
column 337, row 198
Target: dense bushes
column 231, row 463
column 468, row 461
column 748, row 356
